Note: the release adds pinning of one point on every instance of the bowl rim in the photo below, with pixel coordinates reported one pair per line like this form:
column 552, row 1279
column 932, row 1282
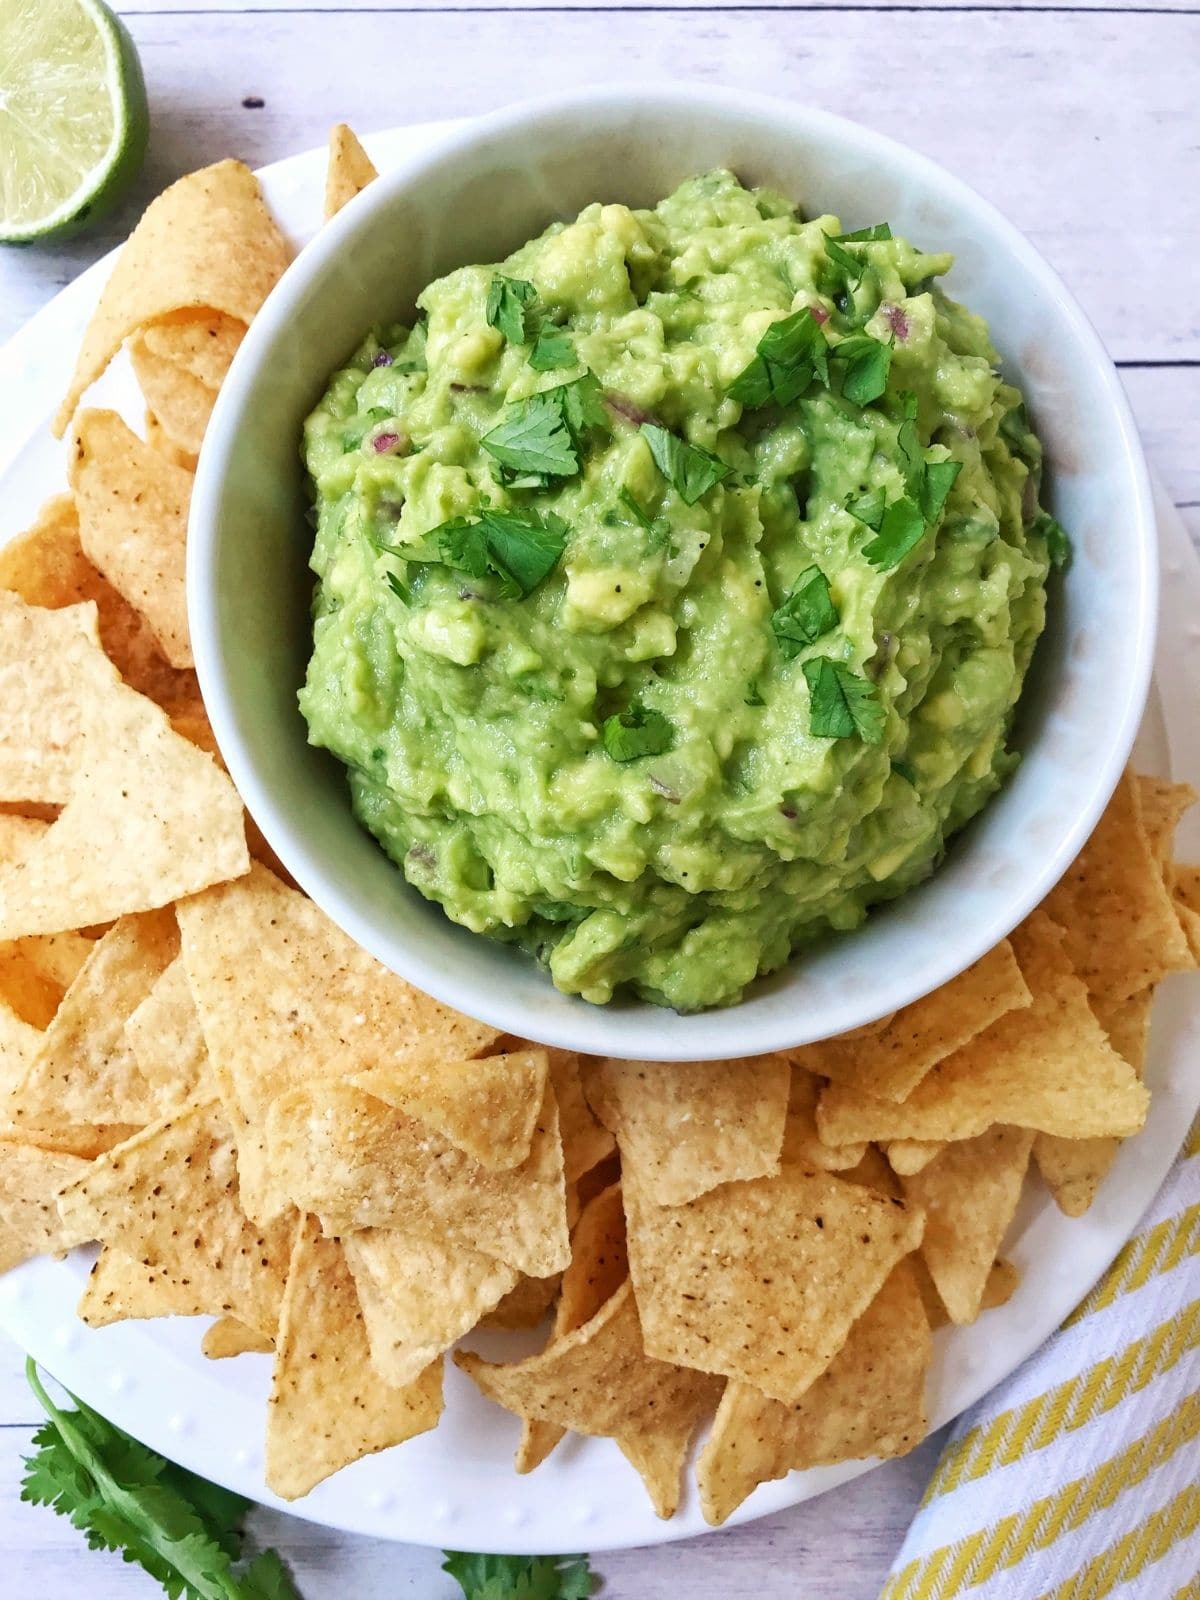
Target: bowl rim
column 325, row 889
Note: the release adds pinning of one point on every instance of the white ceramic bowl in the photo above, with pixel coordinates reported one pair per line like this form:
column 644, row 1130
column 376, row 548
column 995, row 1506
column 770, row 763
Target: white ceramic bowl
column 486, row 190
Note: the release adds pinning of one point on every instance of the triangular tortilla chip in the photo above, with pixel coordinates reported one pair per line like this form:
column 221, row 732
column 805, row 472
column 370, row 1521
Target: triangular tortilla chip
column 599, row 1266
column 1048, row 1067
column 350, row 169
column 84, row 1071
column 802, row 1145
column 419, row 1296
column 762, row 1281
column 486, row 1106
column 328, row 1405
column 906, row 1156
column 525, row 1305
column 969, row 1195
column 286, row 998
column 178, row 399
column 1120, row 927
column 158, row 437
column 47, row 567
column 163, row 1033
column 1161, row 805
column 586, row 1142
column 229, row 1337
column 133, row 510
column 686, row 1126
column 598, row 1380
column 890, row 1063
column 870, row 1401
column 208, row 241
column 1001, row 1283
column 169, row 1198
column 120, row 1288
column 203, row 343
column 357, row 1163
column 31, row 1180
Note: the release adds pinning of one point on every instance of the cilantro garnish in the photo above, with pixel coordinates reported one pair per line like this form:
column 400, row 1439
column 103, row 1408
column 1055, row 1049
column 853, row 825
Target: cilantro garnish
column 519, row 548
column 543, row 436
column 806, row 614
column 871, row 235
column 753, row 695
column 908, row 439
column 638, row 731
column 1058, row 540
column 658, row 528
column 865, row 364
column 905, row 770
column 521, row 1577
column 411, row 357
column 791, row 354
column 901, row 530
column 690, row 470
column 868, row 508
column 507, row 301
column 936, row 482
column 399, row 588
column 841, row 704
column 184, row 1531
column 551, row 349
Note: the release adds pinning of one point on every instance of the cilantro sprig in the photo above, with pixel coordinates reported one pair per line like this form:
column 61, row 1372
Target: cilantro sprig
column 806, row 615
column 544, row 436
column 518, row 547
column 690, row 470
column 789, row 356
column 636, row 732
column 521, row 1577
column 841, row 704
column 900, row 526
column 508, row 301
column 184, row 1531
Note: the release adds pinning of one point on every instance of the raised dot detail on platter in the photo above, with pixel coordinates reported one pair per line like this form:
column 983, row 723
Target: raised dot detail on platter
column 243, row 1457
column 381, row 1501
column 582, row 1515
column 179, row 1424
column 443, row 1511
column 514, row 1516
column 66, row 1337
column 117, row 1383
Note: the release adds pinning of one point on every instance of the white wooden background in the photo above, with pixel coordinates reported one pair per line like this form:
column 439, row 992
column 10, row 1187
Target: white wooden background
column 1078, row 119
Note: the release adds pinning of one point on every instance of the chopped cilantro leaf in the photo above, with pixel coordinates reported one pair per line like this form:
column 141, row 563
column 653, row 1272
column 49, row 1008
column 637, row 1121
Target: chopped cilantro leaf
column 806, row 615
column 690, row 470
column 852, row 267
column 936, row 482
column 841, row 704
column 581, row 401
column 521, row 1577
column 399, row 588
column 551, row 349
column 791, row 354
column 905, row 770
column 902, row 529
column 1058, row 540
column 753, row 694
column 865, row 364
column 411, row 357
column 534, row 437
column 638, row 731
column 507, row 301
column 908, row 439
column 869, row 508
column 519, row 548
column 871, row 235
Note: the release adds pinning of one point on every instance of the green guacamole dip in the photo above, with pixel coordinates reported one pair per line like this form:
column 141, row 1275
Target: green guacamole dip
column 711, row 647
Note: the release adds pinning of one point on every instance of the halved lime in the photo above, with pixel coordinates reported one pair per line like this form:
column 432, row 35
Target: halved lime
column 73, row 119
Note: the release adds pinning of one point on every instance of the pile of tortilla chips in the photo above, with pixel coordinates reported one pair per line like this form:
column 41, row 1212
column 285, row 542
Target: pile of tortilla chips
column 261, row 1125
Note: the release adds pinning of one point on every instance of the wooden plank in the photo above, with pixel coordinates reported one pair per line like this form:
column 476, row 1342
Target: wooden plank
column 134, row 7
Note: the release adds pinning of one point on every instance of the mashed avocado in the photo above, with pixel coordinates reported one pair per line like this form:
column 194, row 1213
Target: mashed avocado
column 678, row 577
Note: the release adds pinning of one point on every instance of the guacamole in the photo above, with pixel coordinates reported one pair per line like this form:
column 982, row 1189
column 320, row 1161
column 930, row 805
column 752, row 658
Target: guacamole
column 677, row 580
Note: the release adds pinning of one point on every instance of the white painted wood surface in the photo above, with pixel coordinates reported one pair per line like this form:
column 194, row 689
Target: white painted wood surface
column 1079, row 120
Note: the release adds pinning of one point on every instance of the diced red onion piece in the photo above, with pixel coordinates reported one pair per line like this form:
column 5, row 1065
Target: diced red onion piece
column 627, row 408
column 896, row 321
column 388, row 444
column 383, row 359
column 819, row 314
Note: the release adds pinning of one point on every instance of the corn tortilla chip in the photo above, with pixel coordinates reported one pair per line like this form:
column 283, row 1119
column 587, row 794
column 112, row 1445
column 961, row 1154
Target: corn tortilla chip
column 802, row 1145
column 1186, row 894
column 890, row 1063
column 684, row 1127
column 525, row 1305
column 350, row 169
column 159, row 439
column 969, row 1195
column 179, row 401
column 1161, row 805
column 169, row 1198
column 1121, row 930
column 84, row 1071
column 907, row 1156
column 586, row 1141
column 419, row 1296
column 119, row 1287
column 358, row 1163
column 202, row 343
column 163, row 1034
column 762, row 1281
column 31, row 1180
column 208, row 242
column 486, row 1106
column 47, row 567
column 25, row 987
column 599, row 1266
column 133, row 508
column 599, row 1380
column 870, row 1401
column 229, row 1337
column 328, row 1406
column 1048, row 1067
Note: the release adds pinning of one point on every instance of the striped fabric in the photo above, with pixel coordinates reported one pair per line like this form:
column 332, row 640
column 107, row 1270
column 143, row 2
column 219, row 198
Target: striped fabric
column 1079, row 1477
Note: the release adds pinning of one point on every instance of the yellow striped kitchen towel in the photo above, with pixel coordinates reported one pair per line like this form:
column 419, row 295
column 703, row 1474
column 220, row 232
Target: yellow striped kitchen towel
column 1079, row 1477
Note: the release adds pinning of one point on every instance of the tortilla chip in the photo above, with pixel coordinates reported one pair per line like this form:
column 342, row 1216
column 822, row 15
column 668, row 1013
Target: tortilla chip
column 969, row 1195
column 159, row 439
column 203, row 344
column 207, row 242
column 762, row 1281
column 169, row 1198
column 1121, row 931
column 1074, row 1169
column 31, row 1180
column 599, row 1380
column 1048, row 1067
column 25, row 988
column 686, row 1126
column 229, row 1337
column 84, row 1071
column 1001, row 1283
column 525, row 1305
column 358, row 1164
column 802, row 1145
column 120, row 1288
column 487, row 1106
column 146, row 818
column 133, row 509
column 870, row 1401
column 57, row 958
column 586, row 1142
column 163, row 1034
column 1161, row 806
column 599, row 1266
column 890, row 1063
column 419, row 1296
column 908, row 1156
column 350, row 169
column 873, row 1172
column 328, row 1405
column 181, row 404
column 47, row 567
